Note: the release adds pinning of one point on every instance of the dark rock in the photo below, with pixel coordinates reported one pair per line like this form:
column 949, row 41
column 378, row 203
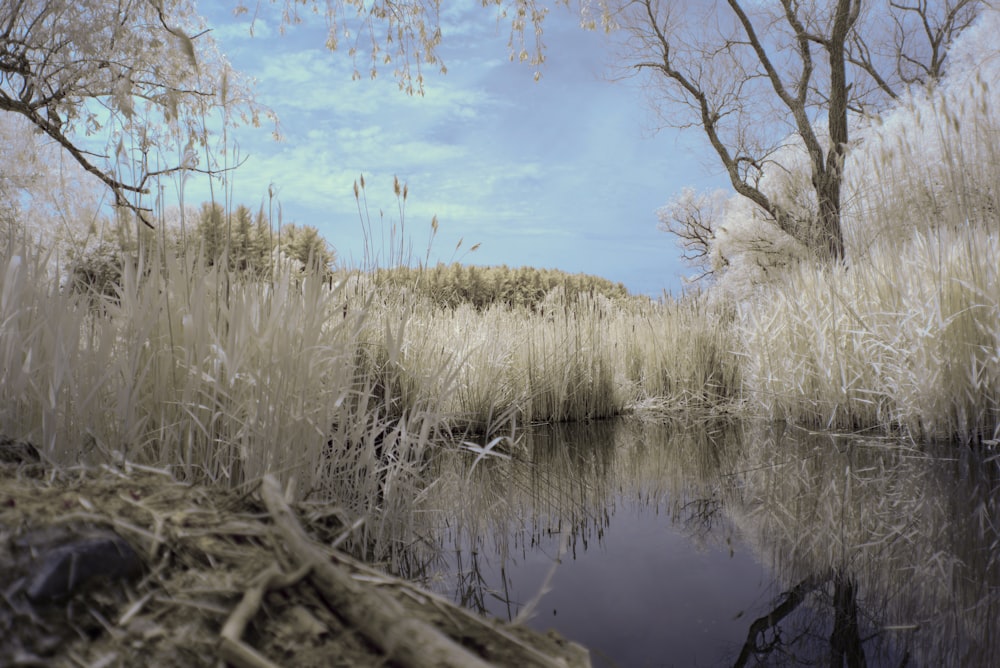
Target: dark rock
column 55, row 565
column 18, row 452
column 65, row 569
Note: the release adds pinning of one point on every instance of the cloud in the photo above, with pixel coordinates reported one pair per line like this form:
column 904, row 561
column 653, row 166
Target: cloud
column 554, row 173
column 243, row 30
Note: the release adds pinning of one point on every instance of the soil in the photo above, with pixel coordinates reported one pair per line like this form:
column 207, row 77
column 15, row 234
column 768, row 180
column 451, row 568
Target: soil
column 201, row 552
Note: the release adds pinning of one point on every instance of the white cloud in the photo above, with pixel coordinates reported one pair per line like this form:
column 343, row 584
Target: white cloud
column 243, row 30
column 554, row 173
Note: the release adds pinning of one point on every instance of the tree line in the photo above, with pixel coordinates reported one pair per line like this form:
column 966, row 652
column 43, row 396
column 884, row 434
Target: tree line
column 451, row 285
column 242, row 242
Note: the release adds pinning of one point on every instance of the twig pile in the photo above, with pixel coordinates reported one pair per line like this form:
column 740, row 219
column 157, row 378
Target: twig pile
column 229, row 578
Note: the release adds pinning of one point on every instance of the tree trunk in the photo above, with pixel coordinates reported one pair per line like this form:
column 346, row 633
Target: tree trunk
column 828, row 237
column 828, row 180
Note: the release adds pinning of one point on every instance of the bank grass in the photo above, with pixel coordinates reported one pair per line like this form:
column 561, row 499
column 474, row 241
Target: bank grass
column 905, row 341
column 904, row 336
column 218, row 379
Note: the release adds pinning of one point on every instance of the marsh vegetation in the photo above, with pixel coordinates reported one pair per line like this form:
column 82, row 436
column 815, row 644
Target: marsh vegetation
column 404, row 398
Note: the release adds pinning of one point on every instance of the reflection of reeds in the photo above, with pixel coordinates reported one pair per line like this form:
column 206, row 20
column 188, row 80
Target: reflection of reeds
column 905, row 523
column 906, row 531
column 565, row 481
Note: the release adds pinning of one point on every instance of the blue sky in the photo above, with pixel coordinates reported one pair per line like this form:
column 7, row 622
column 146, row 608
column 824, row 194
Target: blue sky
column 564, row 173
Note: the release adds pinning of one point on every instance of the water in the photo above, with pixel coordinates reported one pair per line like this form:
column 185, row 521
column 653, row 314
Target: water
column 658, row 545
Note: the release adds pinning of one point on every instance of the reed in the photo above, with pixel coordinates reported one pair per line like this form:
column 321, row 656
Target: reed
column 906, row 337
column 346, row 386
column 906, row 341
column 570, row 359
column 216, row 378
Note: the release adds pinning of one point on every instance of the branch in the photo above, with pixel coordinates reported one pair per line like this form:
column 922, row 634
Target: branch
column 381, row 618
column 864, row 61
column 792, row 600
column 119, row 188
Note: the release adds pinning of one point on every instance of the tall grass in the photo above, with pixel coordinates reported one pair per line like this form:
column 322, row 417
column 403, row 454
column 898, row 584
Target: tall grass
column 908, row 337
column 218, row 379
column 345, row 387
column 583, row 359
column 904, row 341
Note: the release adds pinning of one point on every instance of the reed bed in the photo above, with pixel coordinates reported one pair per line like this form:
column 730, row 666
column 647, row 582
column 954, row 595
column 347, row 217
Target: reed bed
column 906, row 337
column 906, row 341
column 569, row 360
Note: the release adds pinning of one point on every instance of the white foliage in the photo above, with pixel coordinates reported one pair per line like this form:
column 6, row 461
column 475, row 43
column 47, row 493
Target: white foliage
column 115, row 83
column 934, row 150
column 53, row 198
column 934, row 157
column 749, row 250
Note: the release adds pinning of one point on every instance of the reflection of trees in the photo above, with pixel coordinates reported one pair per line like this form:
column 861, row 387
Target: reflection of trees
column 845, row 642
column 765, row 635
column 901, row 529
column 886, row 552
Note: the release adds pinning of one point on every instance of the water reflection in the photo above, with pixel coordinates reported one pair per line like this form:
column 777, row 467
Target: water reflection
column 729, row 544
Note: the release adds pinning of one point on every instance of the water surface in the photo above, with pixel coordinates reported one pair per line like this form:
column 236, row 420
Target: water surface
column 669, row 545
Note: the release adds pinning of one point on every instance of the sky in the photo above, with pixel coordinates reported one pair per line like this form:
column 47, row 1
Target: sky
column 563, row 173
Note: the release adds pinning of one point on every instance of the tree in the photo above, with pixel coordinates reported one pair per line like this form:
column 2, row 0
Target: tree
column 306, row 245
column 213, row 233
column 405, row 34
column 753, row 74
column 142, row 73
column 693, row 218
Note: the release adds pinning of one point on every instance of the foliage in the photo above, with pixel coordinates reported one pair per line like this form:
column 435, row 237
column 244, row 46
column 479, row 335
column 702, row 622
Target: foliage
column 305, row 245
column 924, row 163
column 405, row 34
column 245, row 241
column 753, row 75
column 142, row 75
column 99, row 271
column 242, row 242
column 482, row 287
column 907, row 338
column 44, row 192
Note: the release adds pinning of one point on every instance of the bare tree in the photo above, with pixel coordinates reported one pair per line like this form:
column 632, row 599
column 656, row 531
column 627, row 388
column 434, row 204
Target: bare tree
column 141, row 73
column 693, row 219
column 753, row 74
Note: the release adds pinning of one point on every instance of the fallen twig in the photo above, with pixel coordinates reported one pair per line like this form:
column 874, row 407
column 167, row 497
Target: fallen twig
column 231, row 648
column 378, row 616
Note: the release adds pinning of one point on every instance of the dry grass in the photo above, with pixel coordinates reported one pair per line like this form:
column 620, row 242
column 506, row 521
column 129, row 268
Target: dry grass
column 907, row 337
column 569, row 360
column 346, row 388
column 203, row 549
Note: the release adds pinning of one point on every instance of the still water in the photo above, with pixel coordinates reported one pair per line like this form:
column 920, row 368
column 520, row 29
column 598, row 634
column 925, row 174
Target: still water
column 729, row 544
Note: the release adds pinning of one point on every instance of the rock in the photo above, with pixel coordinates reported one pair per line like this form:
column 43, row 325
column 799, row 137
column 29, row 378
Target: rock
column 18, row 452
column 57, row 563
column 48, row 573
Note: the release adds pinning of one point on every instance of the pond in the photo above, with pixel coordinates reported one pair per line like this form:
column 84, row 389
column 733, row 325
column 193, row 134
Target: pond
column 724, row 543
